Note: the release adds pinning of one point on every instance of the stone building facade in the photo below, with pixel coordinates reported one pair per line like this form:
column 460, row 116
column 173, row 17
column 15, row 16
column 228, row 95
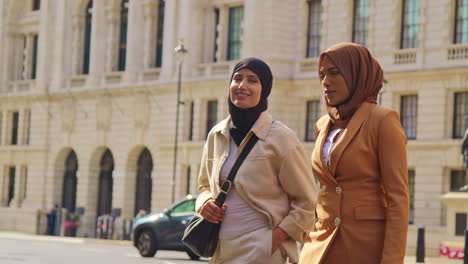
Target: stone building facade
column 88, row 93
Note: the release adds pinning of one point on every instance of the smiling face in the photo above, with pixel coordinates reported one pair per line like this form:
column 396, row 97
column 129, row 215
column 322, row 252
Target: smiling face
column 245, row 89
column 333, row 83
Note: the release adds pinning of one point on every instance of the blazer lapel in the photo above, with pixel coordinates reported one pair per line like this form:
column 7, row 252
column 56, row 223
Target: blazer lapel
column 348, row 134
column 326, row 174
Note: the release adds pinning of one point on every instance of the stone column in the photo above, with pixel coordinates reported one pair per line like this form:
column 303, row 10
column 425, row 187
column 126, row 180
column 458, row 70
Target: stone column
column 223, row 31
column 3, row 127
column 112, row 41
column 170, row 38
column 98, row 43
column 149, row 10
column 27, row 57
column 20, row 131
column 4, row 184
column 58, row 72
column 78, row 21
column 198, row 120
column 87, row 188
column 136, row 29
column 24, row 126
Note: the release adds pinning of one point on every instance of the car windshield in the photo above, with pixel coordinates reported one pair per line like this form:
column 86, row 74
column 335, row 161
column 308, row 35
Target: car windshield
column 185, row 207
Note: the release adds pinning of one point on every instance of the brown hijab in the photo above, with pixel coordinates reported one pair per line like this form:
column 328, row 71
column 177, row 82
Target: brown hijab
column 363, row 76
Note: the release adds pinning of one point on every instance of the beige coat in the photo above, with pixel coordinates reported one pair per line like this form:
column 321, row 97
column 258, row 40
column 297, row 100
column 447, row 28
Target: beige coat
column 275, row 179
column 363, row 204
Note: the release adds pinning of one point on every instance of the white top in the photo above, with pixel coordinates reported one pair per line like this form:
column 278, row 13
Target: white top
column 330, row 143
column 239, row 217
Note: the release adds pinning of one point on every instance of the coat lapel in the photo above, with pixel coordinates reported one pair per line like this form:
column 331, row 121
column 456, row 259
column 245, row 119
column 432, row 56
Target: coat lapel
column 348, row 134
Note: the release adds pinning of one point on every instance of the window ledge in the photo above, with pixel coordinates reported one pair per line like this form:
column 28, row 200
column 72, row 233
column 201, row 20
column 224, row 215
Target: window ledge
column 78, row 81
column 434, row 143
column 405, row 56
column 149, row 75
column 113, row 78
column 457, row 52
column 308, row 65
column 218, row 69
column 21, row 86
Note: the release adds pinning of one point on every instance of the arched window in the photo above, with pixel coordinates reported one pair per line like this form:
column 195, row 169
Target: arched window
column 87, row 37
column 123, row 34
column 144, row 183
column 69, row 182
column 105, row 184
column 160, row 33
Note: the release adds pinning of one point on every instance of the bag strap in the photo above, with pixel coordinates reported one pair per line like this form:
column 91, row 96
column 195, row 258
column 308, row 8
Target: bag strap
column 232, row 174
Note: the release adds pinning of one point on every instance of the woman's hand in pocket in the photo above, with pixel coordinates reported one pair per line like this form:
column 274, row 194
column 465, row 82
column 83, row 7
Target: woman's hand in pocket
column 211, row 212
column 278, row 237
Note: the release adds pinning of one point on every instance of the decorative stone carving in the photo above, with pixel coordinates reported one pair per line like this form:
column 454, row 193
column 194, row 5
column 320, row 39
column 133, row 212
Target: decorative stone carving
column 68, row 114
column 103, row 112
column 141, row 110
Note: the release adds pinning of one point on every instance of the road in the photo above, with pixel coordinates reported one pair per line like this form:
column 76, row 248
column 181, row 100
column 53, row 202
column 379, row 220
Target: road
column 16, row 248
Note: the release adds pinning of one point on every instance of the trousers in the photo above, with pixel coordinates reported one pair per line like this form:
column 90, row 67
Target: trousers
column 250, row 248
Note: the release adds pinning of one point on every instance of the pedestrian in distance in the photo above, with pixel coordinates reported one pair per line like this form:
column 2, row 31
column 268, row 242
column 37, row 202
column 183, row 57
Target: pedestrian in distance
column 359, row 159
column 271, row 203
column 52, row 220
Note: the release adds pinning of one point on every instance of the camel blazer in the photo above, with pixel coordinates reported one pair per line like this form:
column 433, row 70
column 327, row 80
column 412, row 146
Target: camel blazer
column 363, row 203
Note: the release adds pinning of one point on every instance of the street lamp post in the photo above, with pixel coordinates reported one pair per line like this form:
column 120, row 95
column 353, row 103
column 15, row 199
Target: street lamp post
column 180, row 53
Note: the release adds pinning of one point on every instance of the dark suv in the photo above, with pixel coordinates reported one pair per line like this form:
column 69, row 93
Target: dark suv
column 164, row 231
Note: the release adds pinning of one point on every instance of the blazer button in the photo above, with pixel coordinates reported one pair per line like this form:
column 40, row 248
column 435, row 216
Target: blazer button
column 337, row 221
column 338, row 190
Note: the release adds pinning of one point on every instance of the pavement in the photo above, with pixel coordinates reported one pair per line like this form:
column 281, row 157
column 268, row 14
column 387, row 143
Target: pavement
column 433, row 260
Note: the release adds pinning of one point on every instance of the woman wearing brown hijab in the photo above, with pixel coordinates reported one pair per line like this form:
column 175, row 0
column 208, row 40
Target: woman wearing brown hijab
column 360, row 162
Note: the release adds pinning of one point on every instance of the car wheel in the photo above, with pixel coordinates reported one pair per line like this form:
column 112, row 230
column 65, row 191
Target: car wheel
column 192, row 255
column 146, row 243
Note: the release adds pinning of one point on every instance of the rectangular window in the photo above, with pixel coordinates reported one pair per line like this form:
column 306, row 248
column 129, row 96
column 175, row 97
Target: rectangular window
column 212, row 113
column 460, row 224
column 11, row 184
column 123, row 36
column 34, row 57
column 14, row 128
column 160, row 33
column 460, row 114
column 216, row 48
column 313, row 114
column 410, row 24
column 87, row 37
column 314, row 28
column 411, row 184
column 187, row 186
column 361, row 19
column 236, row 15
column 409, row 115
column 36, row 4
column 191, row 116
column 457, row 180
column 461, row 22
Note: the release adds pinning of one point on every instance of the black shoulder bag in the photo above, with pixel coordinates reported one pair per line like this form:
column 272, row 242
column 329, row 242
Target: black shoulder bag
column 200, row 235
